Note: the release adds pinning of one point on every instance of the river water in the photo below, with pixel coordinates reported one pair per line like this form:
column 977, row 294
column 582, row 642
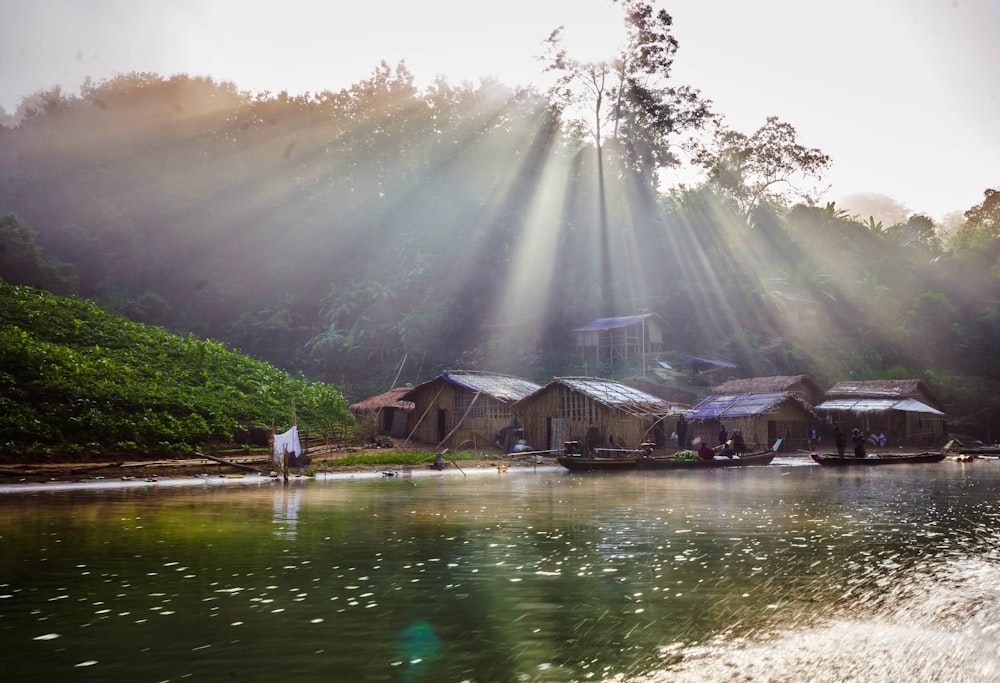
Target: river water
column 790, row 572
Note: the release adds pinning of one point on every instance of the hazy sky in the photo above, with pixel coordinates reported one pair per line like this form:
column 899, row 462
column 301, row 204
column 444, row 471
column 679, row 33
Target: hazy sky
column 903, row 94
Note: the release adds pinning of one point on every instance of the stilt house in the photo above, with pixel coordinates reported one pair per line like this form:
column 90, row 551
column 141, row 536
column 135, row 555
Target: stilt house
column 567, row 408
column 461, row 409
column 607, row 340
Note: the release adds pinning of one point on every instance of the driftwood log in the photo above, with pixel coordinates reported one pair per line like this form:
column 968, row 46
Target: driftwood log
column 228, row 462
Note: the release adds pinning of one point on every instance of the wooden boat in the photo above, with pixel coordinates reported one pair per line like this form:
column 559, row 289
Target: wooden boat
column 834, row 460
column 614, row 461
column 748, row 460
column 980, row 450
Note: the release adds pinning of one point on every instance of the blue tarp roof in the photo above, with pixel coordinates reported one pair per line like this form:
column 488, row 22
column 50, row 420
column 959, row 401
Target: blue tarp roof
column 612, row 323
column 706, row 361
column 733, row 406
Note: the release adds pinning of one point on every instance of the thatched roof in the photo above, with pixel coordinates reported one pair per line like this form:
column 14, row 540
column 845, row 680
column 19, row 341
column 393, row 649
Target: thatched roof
column 612, row 394
column 763, row 385
column 390, row 399
column 503, row 388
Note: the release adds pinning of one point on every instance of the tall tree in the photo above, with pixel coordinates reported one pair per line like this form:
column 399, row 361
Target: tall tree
column 625, row 99
column 762, row 167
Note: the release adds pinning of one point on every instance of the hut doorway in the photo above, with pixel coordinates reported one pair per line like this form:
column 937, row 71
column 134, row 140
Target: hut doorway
column 558, row 432
column 442, row 426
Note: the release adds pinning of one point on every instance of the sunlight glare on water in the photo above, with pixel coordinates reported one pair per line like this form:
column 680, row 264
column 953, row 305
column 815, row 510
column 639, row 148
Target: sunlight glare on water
column 788, row 573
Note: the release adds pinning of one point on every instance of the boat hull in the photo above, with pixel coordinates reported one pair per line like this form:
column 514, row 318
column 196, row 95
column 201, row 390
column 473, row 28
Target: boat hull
column 834, row 460
column 749, row 460
column 580, row 463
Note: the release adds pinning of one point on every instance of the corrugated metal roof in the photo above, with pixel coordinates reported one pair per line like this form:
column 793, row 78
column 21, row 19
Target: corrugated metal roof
column 741, row 405
column 612, row 323
column 912, row 405
column 501, row 387
column 858, row 405
column 875, row 388
column 877, row 405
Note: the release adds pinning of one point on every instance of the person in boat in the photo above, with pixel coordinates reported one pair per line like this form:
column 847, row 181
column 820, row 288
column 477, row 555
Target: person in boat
column 705, row 452
column 682, row 430
column 840, row 440
column 592, row 440
column 739, row 444
column 859, row 443
column 723, row 434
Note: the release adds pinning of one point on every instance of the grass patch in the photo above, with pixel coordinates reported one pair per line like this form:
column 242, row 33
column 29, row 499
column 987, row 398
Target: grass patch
column 390, row 458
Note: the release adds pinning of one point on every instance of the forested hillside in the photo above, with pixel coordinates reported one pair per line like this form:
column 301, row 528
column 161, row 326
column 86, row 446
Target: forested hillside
column 388, row 230
column 76, row 379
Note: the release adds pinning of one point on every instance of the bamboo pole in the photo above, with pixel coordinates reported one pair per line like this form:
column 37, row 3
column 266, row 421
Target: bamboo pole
column 424, row 415
column 460, row 421
column 237, row 465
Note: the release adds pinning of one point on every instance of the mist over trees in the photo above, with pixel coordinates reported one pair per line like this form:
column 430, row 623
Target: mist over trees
column 475, row 225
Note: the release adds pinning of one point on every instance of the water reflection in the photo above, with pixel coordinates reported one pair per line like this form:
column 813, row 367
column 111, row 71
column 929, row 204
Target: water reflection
column 769, row 573
column 286, row 501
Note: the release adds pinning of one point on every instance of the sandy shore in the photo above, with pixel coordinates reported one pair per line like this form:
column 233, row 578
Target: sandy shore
column 250, row 467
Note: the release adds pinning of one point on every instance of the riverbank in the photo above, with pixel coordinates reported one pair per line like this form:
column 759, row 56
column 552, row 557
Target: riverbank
column 205, row 466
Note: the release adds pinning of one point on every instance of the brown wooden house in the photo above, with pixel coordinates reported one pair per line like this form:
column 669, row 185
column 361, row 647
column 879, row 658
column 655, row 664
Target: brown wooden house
column 460, row 409
column 763, row 419
column 567, row 408
column 906, row 411
column 803, row 386
column 387, row 411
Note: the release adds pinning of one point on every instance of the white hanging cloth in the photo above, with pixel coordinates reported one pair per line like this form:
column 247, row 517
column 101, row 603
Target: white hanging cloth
column 287, row 442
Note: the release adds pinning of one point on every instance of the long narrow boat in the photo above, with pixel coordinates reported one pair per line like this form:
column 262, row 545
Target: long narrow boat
column 615, row 461
column 834, row 460
column 748, row 460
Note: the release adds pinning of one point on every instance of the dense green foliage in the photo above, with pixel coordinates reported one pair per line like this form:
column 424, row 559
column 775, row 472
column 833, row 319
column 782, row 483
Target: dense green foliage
column 344, row 235
column 74, row 376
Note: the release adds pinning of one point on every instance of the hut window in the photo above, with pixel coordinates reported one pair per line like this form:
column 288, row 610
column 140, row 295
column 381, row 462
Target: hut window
column 498, row 412
column 462, row 403
column 576, row 406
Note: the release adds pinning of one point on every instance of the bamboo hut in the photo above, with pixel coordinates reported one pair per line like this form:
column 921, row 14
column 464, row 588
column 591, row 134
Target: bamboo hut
column 803, row 386
column 906, row 411
column 763, row 419
column 567, row 408
column 460, row 406
column 387, row 411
